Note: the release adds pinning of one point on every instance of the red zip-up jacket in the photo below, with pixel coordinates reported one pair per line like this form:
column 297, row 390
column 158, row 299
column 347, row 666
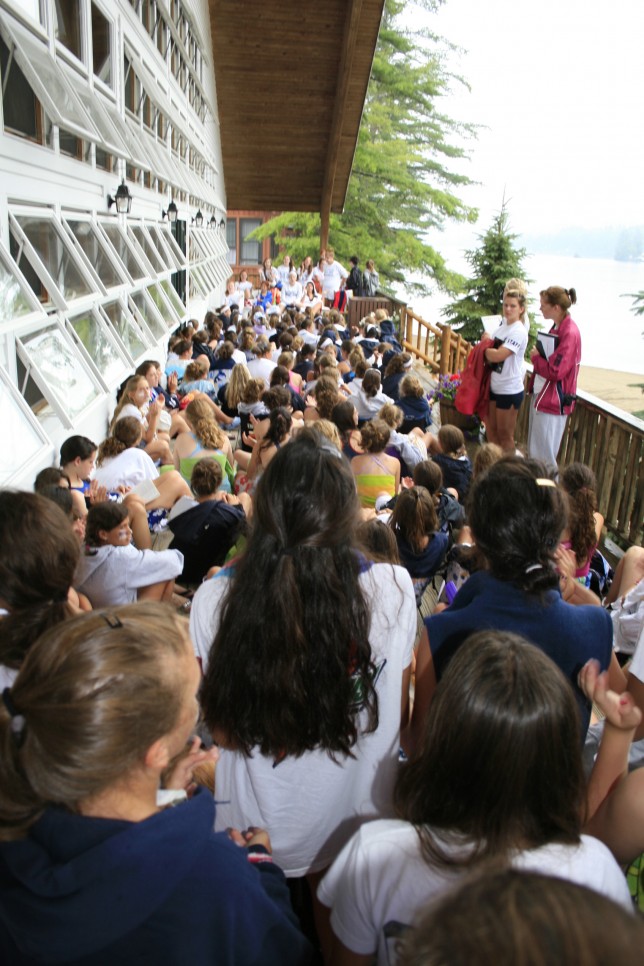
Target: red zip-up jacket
column 560, row 371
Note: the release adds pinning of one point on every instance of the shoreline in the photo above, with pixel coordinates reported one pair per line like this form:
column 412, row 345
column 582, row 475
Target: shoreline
column 621, row 389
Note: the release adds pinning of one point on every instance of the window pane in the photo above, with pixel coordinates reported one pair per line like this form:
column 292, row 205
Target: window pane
column 124, row 251
column 148, row 314
column 99, row 346
column 101, row 51
column 231, row 240
column 62, row 369
column 162, row 241
column 251, row 251
column 150, row 251
column 67, row 21
column 54, row 252
column 126, row 328
column 168, row 313
column 20, row 441
column 173, row 297
column 49, row 82
column 108, row 137
column 14, row 303
column 21, row 108
column 87, row 237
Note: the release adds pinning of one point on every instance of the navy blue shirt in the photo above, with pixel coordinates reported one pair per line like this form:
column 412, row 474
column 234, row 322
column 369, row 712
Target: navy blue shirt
column 568, row 634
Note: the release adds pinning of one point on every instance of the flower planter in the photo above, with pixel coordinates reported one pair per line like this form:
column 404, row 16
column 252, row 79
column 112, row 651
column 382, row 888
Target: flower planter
column 450, row 415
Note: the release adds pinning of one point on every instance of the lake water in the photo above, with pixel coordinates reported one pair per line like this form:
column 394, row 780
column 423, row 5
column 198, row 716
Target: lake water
column 612, row 335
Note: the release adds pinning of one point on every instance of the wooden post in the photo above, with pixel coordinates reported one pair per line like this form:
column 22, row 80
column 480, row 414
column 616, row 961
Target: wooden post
column 446, row 338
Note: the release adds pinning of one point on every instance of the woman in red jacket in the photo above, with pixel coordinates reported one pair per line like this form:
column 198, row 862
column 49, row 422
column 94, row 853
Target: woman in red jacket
column 554, row 381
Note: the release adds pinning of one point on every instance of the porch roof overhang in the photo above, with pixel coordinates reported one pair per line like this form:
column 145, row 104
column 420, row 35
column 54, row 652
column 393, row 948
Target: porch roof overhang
column 291, row 84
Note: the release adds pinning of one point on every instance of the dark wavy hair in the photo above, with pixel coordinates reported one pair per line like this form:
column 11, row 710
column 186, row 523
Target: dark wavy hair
column 37, row 564
column 517, row 516
column 510, row 774
column 579, row 482
column 283, row 675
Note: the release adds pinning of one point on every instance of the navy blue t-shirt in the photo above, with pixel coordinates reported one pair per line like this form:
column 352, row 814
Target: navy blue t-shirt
column 568, row 634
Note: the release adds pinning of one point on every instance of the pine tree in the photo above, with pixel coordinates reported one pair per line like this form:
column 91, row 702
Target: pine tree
column 496, row 260
column 401, row 185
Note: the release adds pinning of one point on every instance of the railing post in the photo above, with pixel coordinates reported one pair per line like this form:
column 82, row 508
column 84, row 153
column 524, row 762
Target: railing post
column 446, row 338
column 408, row 325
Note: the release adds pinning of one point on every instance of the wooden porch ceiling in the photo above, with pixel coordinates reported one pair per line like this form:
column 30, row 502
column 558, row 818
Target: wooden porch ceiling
column 291, row 83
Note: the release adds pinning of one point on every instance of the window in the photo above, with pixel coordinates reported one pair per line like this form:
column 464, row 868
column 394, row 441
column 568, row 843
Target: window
column 60, row 373
column 97, row 252
column 48, row 80
column 101, row 46
column 51, row 256
column 70, row 145
column 167, row 310
column 149, row 314
column 124, row 251
column 121, row 321
column 16, row 299
column 100, row 345
column 173, row 297
column 67, row 25
column 21, row 108
column 251, row 251
column 22, row 441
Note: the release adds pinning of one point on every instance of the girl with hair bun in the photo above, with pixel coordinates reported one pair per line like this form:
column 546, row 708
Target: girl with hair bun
column 98, row 714
column 516, row 515
column 375, row 471
column 502, row 785
column 554, row 381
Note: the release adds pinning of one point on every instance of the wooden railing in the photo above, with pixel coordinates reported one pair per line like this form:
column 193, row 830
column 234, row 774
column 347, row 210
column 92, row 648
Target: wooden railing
column 611, row 442
column 438, row 346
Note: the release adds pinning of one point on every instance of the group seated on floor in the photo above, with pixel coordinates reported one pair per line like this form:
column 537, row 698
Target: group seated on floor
column 386, row 678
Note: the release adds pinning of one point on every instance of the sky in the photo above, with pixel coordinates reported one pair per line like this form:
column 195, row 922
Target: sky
column 559, row 85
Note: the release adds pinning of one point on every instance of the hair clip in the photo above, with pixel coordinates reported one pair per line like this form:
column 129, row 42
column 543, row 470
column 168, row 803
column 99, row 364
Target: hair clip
column 533, row 567
column 18, row 721
column 112, row 621
column 544, row 482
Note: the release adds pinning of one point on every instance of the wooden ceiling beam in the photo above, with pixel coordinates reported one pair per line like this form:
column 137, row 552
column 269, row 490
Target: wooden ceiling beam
column 349, row 40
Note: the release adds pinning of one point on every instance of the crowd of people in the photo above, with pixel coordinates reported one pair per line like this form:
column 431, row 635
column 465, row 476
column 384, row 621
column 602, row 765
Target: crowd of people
column 333, row 759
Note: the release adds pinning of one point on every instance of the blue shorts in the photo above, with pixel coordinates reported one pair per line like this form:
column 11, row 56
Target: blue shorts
column 507, row 401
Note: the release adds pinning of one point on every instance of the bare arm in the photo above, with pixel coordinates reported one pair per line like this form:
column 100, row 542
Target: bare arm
column 497, row 355
column 423, row 694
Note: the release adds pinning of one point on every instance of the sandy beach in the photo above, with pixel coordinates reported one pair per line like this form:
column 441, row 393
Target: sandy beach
column 622, row 389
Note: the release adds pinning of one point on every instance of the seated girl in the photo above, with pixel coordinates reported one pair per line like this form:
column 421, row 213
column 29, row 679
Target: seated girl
column 205, row 438
column 122, row 463
column 229, row 395
column 101, row 709
column 504, row 785
column 78, row 455
column 111, row 571
column 196, row 379
column 276, row 435
column 368, row 397
column 170, row 418
column 207, row 530
column 135, row 401
column 421, row 544
column 449, row 511
column 375, row 472
column 453, row 460
column 584, row 521
column 413, row 403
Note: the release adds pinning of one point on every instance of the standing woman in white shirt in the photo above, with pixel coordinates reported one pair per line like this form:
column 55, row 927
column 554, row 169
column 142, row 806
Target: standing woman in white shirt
column 508, row 368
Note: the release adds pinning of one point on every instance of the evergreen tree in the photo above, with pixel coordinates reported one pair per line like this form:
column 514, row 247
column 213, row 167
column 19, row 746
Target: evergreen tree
column 495, row 261
column 401, row 185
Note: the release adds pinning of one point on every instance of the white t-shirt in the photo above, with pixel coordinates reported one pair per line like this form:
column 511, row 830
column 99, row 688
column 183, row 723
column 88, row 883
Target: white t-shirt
column 627, row 615
column 311, row 805
column 333, row 275
column 261, row 368
column 129, row 468
column 509, row 381
column 291, row 293
column 368, row 406
column 113, row 575
column 131, row 410
column 380, row 880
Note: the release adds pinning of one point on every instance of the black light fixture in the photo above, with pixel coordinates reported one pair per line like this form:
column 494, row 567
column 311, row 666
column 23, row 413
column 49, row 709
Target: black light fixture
column 122, row 199
column 198, row 219
column 172, row 213
column 222, row 224
column 213, row 222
